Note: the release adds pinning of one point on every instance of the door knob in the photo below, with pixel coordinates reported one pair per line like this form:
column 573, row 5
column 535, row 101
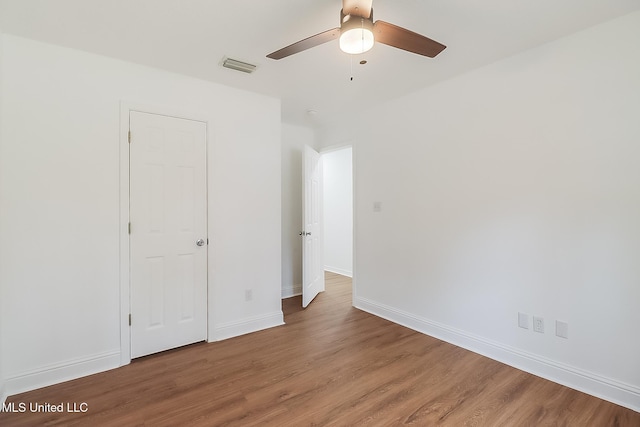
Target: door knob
column 200, row 242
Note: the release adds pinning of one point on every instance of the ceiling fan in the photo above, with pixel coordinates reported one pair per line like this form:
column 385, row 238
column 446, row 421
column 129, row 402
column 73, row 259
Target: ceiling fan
column 358, row 32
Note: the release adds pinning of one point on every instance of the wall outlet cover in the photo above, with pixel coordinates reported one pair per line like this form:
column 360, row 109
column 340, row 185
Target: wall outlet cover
column 538, row 324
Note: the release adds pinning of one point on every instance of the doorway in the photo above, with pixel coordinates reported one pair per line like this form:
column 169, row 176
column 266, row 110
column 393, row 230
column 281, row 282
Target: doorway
column 327, row 218
column 292, row 211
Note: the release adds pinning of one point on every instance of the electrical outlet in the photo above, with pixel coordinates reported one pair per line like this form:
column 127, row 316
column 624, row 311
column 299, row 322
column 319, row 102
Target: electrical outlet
column 523, row 320
column 562, row 329
column 248, row 294
column 538, row 324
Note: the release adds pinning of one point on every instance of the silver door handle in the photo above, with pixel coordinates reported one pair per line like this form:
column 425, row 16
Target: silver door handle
column 200, row 242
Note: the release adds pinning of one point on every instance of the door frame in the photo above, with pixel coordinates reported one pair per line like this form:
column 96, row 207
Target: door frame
column 125, row 264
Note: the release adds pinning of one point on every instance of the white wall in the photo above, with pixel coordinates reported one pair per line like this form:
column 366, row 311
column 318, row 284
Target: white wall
column 2, row 300
column 513, row 188
column 294, row 139
column 59, row 217
column 338, row 211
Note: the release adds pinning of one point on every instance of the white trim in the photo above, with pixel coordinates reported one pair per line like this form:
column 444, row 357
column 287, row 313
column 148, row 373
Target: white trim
column 125, row 305
column 291, row 290
column 248, row 325
column 60, row 372
column 354, row 228
column 3, row 394
column 125, row 333
column 588, row 382
column 338, row 271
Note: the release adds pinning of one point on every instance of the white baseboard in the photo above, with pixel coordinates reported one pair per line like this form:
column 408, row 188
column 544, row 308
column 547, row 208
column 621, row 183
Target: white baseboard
column 246, row 326
column 291, row 291
column 60, row 372
column 81, row 367
column 3, row 394
column 339, row 271
column 588, row 382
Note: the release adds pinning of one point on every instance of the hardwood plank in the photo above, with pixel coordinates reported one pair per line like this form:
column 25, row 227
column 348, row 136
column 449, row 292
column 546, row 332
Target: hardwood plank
column 331, row 364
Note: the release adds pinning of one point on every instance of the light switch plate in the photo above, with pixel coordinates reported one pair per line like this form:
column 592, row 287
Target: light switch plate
column 523, row 320
column 562, row 329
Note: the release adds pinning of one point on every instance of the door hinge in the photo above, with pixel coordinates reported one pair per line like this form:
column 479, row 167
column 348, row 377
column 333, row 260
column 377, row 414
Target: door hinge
column 129, row 228
column 129, row 137
column 129, row 319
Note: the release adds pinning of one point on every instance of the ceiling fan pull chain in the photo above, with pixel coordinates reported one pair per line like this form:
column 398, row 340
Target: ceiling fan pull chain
column 351, row 63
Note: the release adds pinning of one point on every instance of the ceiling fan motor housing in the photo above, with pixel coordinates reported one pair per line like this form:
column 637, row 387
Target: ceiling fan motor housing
column 356, row 33
column 348, row 22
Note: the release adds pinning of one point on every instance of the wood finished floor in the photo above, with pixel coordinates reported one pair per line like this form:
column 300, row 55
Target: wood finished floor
column 329, row 365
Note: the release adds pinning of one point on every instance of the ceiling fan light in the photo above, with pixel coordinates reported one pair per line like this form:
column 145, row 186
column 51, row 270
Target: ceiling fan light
column 356, row 33
column 356, row 40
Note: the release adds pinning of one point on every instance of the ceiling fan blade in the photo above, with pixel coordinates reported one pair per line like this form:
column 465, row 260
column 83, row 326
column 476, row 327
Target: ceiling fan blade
column 404, row 39
column 357, row 7
column 305, row 44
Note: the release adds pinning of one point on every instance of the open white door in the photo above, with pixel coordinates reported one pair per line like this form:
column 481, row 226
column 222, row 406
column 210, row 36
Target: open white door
column 168, row 241
column 312, row 265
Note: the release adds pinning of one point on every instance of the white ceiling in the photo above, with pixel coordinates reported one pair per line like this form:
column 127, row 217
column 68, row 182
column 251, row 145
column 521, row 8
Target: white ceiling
column 192, row 36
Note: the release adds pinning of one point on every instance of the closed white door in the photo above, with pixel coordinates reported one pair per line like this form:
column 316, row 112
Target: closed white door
column 312, row 263
column 168, row 234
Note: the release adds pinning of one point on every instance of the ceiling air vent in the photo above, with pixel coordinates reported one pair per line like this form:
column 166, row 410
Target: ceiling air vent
column 234, row 64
